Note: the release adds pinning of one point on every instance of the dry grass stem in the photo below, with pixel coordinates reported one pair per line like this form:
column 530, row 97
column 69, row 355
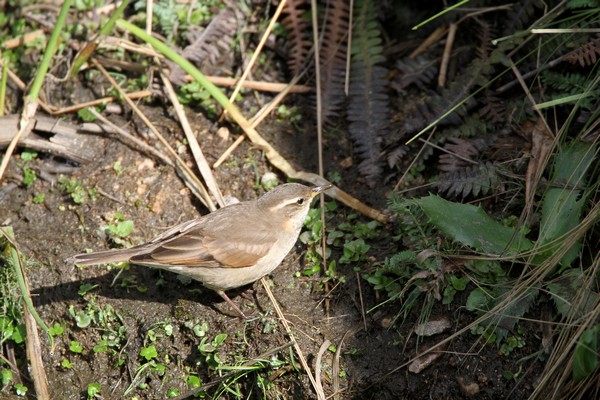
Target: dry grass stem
column 201, row 162
column 259, row 85
column 257, row 51
column 446, row 55
column 21, row 40
column 324, row 346
column 286, row 325
column 98, row 102
column 34, row 354
column 190, row 178
column 259, row 117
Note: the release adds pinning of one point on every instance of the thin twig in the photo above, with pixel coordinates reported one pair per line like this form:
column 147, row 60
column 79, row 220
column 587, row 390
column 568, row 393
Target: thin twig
column 128, row 137
column 257, row 51
column 21, row 85
column 274, row 157
column 412, row 162
column 315, row 27
column 193, row 182
column 23, row 131
column 34, row 354
column 22, row 39
column 440, row 148
column 318, row 361
column 335, row 368
column 98, row 102
column 363, row 314
column 260, row 116
column 530, row 96
column 436, row 35
column 259, row 85
column 32, row 320
column 286, row 325
column 349, row 49
column 264, row 356
column 446, row 55
column 228, row 152
column 201, row 162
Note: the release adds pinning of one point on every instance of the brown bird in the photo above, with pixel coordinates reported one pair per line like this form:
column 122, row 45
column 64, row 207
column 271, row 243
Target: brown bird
column 231, row 247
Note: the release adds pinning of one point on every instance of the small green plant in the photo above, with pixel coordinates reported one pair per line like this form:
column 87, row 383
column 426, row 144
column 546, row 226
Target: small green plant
column 209, row 350
column 290, row 115
column 500, row 296
column 119, row 229
column 11, row 330
column 108, row 321
column 93, row 390
column 199, row 329
column 11, row 312
column 76, row 347
column 82, row 317
column 350, row 237
column 194, row 93
column 29, row 175
column 20, row 389
column 193, row 382
column 149, row 356
column 76, row 190
column 173, row 18
column 6, row 376
column 118, row 168
column 86, row 288
column 39, row 198
column 513, row 342
column 149, row 353
column 85, row 115
column 456, row 285
column 57, row 329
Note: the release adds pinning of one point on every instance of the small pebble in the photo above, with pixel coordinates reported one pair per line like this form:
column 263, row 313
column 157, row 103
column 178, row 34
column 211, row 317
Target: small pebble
column 431, row 328
column 468, row 389
column 269, row 180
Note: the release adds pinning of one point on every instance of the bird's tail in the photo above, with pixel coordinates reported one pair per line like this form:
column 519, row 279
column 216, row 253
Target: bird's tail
column 104, row 257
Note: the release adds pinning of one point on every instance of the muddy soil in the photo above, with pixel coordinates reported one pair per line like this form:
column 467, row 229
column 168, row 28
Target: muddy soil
column 151, row 307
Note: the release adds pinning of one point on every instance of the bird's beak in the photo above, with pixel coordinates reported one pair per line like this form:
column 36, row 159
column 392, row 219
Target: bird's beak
column 319, row 189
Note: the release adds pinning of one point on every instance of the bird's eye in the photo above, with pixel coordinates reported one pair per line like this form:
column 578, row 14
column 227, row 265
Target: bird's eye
column 300, row 201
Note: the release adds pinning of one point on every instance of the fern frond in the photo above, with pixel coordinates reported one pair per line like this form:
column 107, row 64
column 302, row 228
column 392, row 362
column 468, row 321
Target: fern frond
column 585, row 55
column 469, row 149
column 368, row 110
column 520, row 15
column 567, row 83
column 333, row 52
column 299, row 33
column 576, row 4
column 434, row 107
column 472, row 180
column 368, row 113
column 419, row 71
column 395, row 156
column 486, row 34
column 208, row 47
column 493, row 109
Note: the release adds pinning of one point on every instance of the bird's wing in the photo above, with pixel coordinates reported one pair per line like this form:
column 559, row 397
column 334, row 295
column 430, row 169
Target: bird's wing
column 210, row 242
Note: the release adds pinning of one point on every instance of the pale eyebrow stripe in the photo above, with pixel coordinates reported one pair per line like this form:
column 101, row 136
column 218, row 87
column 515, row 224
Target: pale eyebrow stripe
column 281, row 205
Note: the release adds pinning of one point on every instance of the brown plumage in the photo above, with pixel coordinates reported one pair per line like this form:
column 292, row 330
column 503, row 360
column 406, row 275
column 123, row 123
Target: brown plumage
column 228, row 248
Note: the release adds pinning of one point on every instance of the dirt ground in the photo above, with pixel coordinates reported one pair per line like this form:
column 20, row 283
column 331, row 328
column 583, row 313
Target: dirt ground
column 153, row 196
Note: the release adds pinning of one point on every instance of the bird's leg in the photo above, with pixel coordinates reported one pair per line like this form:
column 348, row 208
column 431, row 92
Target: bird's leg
column 231, row 303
